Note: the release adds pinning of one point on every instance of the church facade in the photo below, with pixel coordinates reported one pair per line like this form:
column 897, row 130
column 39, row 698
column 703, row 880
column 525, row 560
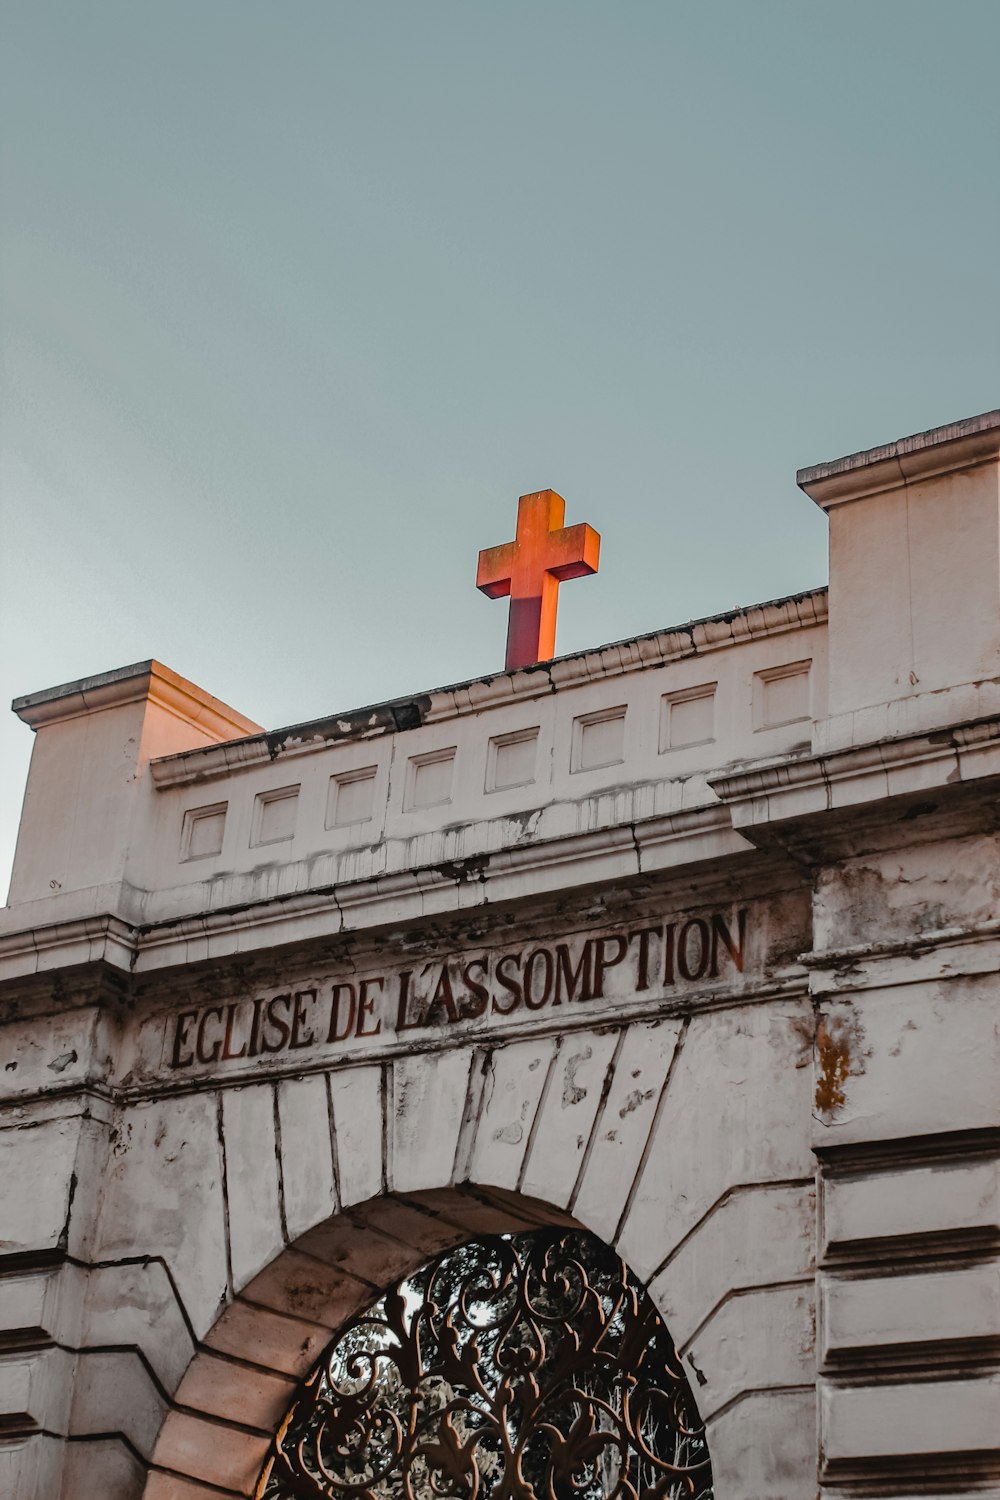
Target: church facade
column 689, row 942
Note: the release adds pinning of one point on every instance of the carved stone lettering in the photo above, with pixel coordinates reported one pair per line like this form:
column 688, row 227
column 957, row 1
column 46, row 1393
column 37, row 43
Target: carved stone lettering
column 460, row 990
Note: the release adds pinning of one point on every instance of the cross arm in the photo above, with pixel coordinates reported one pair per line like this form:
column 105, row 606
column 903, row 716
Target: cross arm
column 575, row 552
column 496, row 564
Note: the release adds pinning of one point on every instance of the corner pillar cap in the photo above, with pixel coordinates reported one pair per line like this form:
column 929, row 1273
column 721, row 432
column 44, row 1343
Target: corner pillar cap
column 926, row 455
column 144, row 680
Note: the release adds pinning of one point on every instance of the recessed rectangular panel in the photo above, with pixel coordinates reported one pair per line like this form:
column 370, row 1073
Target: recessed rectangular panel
column 511, row 759
column 274, row 815
column 351, row 797
column 688, row 718
column 781, row 695
column 599, row 740
column 201, row 834
column 428, row 781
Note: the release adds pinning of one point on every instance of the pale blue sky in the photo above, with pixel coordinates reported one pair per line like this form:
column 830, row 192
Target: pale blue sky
column 298, row 297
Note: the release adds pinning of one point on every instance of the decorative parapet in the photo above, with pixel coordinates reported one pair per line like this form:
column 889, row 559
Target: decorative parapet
column 397, row 715
column 591, row 767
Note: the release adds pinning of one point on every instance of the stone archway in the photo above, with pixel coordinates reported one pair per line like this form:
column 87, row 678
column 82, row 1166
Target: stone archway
column 644, row 1134
column 246, row 1373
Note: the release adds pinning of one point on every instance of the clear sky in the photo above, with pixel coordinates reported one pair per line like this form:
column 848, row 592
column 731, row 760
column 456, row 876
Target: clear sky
column 298, row 297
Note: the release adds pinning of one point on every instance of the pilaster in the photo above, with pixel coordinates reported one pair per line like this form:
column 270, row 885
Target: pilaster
column 906, row 948
column 88, row 796
column 914, row 582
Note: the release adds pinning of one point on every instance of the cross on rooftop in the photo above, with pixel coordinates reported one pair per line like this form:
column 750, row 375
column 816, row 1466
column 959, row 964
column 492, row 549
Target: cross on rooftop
column 530, row 569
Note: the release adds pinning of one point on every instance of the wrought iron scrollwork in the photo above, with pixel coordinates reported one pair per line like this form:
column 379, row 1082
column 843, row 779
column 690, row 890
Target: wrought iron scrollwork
column 518, row 1367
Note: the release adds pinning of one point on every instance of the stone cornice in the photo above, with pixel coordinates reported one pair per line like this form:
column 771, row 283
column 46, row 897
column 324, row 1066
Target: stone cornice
column 614, row 854
column 658, row 649
column 62, row 945
column 941, row 450
column 144, row 680
column 801, row 785
column 928, row 941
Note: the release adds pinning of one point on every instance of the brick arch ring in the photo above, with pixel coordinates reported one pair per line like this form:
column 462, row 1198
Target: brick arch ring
column 245, row 1373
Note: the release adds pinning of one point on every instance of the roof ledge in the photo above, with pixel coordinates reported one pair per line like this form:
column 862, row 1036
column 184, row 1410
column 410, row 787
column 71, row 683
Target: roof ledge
column 941, row 450
column 142, row 680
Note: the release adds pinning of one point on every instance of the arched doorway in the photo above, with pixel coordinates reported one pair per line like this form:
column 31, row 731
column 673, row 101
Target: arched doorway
column 526, row 1365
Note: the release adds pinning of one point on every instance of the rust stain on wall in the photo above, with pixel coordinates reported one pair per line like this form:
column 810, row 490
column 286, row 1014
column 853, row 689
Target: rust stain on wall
column 833, row 1062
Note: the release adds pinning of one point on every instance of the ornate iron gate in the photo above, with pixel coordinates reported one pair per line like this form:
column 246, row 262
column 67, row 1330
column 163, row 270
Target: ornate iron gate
column 518, row 1367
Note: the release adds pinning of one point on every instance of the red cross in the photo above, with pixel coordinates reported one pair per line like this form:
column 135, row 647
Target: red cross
column 530, row 569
